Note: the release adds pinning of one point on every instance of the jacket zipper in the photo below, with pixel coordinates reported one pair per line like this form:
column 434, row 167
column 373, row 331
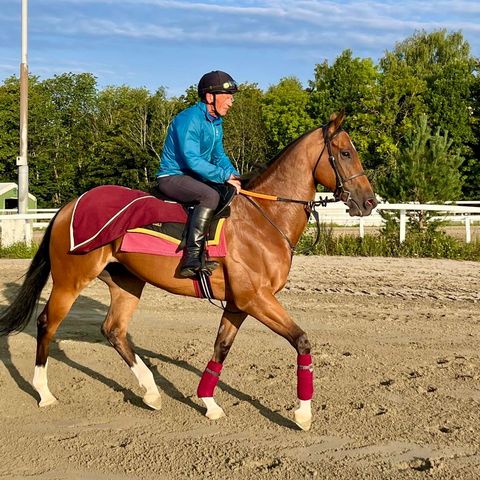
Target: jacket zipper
column 214, row 138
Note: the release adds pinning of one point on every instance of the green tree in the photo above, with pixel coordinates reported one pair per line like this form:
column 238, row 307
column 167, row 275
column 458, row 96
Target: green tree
column 245, row 137
column 161, row 112
column 129, row 130
column 61, row 135
column 9, row 128
column 427, row 168
column 284, row 113
column 350, row 84
column 190, row 97
column 121, row 139
column 471, row 167
column 433, row 74
column 60, row 110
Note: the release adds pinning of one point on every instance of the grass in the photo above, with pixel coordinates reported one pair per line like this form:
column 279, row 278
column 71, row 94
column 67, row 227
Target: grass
column 429, row 243
column 19, row 250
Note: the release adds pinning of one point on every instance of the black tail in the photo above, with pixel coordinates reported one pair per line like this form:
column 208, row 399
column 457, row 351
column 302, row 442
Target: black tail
column 19, row 313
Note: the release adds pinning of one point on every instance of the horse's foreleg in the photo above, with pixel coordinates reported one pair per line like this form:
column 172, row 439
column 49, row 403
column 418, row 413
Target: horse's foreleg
column 56, row 309
column 267, row 309
column 229, row 325
column 125, row 292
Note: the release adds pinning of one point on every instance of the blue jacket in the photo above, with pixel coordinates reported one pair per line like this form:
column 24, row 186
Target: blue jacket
column 194, row 146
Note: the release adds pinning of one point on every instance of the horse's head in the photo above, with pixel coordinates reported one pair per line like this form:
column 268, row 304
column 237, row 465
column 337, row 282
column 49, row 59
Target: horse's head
column 339, row 169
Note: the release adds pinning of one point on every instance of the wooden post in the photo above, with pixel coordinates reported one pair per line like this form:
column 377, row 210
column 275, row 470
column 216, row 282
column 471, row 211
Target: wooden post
column 468, row 233
column 362, row 227
column 403, row 225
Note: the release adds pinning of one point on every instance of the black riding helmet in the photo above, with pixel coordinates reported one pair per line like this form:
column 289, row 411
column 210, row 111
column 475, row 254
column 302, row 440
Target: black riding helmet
column 216, row 82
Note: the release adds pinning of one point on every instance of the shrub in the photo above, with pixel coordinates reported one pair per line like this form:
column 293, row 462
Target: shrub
column 428, row 242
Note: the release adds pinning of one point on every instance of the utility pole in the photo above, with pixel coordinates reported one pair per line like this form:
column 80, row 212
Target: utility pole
column 22, row 160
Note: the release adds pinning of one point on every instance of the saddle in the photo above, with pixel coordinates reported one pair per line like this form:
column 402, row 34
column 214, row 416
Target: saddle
column 177, row 230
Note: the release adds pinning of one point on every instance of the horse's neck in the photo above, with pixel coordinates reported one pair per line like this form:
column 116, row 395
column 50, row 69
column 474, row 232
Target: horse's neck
column 290, row 176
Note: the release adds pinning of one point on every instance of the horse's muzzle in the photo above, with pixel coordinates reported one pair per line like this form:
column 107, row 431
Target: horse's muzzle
column 370, row 203
column 359, row 209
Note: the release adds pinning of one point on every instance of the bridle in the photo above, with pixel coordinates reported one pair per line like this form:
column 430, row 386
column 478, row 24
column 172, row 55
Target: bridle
column 340, row 193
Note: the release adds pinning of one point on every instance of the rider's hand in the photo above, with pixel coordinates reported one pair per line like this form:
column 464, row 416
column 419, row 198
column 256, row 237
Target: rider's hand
column 235, row 181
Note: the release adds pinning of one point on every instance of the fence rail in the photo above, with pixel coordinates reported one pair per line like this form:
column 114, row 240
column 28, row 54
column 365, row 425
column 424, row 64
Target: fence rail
column 464, row 214
column 337, row 214
column 334, row 213
column 14, row 211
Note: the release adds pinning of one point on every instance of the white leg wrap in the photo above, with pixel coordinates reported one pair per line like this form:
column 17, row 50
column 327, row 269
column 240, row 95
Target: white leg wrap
column 303, row 414
column 214, row 411
column 145, row 379
column 40, row 383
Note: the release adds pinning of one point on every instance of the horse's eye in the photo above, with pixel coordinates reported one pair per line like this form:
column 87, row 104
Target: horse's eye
column 345, row 153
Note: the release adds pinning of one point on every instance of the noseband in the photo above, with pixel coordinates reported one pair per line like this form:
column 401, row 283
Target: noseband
column 340, row 193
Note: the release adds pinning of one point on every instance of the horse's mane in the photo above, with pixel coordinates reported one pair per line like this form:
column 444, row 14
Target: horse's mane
column 260, row 169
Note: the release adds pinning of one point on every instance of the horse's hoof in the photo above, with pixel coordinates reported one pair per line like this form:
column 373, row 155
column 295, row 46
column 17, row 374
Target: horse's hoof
column 303, row 422
column 153, row 401
column 215, row 413
column 45, row 402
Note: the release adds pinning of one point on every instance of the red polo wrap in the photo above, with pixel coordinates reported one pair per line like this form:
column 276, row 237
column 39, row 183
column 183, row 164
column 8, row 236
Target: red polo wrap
column 209, row 380
column 304, row 377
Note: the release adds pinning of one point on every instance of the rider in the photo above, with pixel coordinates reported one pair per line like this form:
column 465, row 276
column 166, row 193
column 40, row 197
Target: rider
column 192, row 155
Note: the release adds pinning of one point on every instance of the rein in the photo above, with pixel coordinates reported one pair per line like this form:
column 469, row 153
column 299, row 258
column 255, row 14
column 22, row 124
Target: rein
column 310, row 205
column 309, row 208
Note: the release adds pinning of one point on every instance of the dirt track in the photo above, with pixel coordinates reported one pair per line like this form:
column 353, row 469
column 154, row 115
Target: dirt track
column 396, row 352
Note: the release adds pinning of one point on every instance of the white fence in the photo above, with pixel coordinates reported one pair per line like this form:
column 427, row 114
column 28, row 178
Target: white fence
column 45, row 214
column 15, row 227
column 335, row 213
column 463, row 212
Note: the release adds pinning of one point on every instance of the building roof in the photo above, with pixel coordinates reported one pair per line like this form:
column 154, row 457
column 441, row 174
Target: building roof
column 5, row 187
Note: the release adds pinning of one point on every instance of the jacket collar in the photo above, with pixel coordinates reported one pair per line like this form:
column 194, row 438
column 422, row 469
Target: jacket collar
column 210, row 118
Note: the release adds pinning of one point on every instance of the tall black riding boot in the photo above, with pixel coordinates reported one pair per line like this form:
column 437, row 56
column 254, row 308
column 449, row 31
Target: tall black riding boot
column 197, row 229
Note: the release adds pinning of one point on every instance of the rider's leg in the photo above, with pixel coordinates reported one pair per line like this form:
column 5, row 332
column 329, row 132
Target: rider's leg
column 185, row 189
column 197, row 229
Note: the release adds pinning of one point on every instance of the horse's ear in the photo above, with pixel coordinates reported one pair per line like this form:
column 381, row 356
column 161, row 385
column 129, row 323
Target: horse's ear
column 335, row 122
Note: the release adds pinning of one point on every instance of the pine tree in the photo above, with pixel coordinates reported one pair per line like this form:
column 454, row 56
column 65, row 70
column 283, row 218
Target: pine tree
column 426, row 169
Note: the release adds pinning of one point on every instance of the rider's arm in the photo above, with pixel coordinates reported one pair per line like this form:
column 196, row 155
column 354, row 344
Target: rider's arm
column 221, row 159
column 189, row 145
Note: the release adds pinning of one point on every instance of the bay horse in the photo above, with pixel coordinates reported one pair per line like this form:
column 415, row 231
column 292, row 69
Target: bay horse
column 261, row 236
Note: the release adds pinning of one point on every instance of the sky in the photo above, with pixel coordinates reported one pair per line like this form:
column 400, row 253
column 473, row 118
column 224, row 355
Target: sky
column 171, row 43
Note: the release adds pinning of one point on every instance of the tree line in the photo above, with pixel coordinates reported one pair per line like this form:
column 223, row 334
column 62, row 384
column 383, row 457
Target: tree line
column 414, row 117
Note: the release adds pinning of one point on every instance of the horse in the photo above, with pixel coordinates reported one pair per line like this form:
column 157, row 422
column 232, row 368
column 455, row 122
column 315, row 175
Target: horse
column 261, row 235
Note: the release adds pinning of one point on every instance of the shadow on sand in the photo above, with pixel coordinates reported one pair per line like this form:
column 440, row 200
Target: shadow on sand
column 96, row 313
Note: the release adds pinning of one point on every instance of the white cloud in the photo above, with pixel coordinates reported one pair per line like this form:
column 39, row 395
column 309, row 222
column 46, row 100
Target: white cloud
column 303, row 31
column 270, row 22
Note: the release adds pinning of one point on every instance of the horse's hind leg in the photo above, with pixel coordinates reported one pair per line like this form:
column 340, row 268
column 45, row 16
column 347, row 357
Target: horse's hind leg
column 125, row 292
column 231, row 321
column 58, row 305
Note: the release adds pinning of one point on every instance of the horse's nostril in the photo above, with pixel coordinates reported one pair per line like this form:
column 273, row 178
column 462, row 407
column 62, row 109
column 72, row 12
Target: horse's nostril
column 371, row 202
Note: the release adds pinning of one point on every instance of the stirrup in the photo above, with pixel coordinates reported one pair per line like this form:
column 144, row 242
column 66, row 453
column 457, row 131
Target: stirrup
column 210, row 266
column 187, row 272
column 207, row 266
